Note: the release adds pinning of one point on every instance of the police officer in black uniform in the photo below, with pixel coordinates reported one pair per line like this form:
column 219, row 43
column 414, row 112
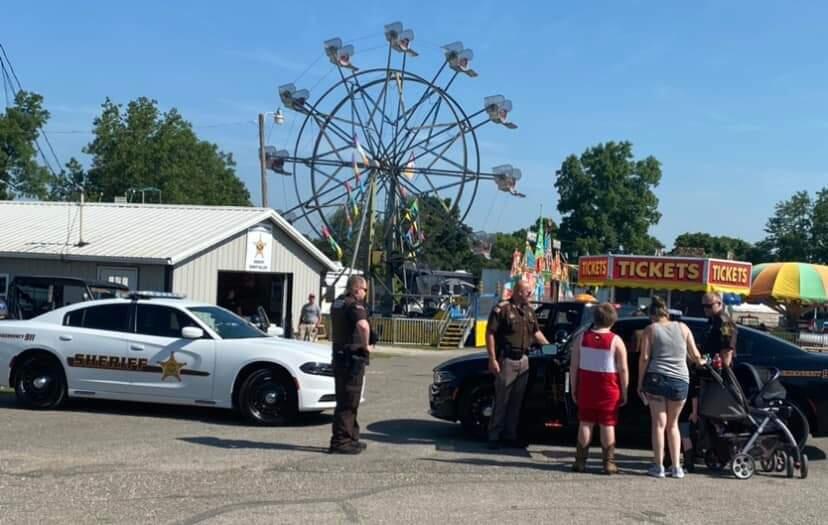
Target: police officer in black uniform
column 351, row 337
column 511, row 330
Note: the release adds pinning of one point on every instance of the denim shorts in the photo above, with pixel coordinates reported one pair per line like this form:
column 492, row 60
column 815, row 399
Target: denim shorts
column 670, row 388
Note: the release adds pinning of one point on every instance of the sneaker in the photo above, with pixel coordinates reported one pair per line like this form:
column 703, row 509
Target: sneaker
column 656, row 471
column 676, row 472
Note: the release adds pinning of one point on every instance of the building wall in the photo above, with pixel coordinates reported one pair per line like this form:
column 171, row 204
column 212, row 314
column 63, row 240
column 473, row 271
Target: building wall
column 197, row 277
column 150, row 277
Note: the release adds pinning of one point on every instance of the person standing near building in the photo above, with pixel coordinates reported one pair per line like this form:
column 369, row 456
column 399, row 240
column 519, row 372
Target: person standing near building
column 351, row 337
column 599, row 379
column 511, row 329
column 309, row 320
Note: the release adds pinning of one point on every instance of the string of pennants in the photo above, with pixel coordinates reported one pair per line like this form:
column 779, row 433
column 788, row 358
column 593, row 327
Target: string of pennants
column 408, row 222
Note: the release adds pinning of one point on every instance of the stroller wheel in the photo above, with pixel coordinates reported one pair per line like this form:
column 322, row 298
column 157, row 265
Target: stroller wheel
column 803, row 467
column 779, row 460
column 711, row 459
column 789, row 467
column 742, row 466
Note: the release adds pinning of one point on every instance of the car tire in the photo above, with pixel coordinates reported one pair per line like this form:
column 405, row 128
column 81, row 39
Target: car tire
column 476, row 403
column 268, row 397
column 40, row 383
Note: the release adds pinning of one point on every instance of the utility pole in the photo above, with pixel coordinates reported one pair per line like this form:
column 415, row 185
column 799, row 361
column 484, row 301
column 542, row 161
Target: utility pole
column 262, row 163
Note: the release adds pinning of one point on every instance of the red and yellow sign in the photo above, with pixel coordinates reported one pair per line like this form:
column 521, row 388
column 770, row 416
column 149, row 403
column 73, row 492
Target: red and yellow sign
column 665, row 273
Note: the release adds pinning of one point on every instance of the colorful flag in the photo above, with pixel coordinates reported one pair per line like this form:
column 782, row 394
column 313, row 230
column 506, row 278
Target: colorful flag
column 326, row 234
column 529, row 259
column 408, row 171
column 516, row 257
column 364, row 156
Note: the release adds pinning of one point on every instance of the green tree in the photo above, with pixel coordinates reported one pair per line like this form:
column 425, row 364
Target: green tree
column 20, row 124
column 140, row 147
column 607, row 202
column 72, row 179
column 718, row 246
column 819, row 222
column 790, row 229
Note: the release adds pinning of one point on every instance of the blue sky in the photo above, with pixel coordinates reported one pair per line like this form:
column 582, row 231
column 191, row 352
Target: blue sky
column 731, row 97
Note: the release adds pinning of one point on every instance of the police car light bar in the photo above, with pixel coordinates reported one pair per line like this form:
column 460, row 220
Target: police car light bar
column 149, row 294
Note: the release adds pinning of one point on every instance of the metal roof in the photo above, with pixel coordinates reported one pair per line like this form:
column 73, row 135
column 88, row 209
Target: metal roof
column 137, row 233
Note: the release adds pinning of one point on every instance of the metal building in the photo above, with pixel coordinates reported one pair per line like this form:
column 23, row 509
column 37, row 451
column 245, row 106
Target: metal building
column 237, row 257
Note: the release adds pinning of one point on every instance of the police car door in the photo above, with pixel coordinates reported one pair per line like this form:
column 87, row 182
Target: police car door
column 179, row 369
column 93, row 343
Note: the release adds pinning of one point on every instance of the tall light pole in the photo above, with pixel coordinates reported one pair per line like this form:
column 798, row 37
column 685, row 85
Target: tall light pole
column 279, row 119
column 262, row 164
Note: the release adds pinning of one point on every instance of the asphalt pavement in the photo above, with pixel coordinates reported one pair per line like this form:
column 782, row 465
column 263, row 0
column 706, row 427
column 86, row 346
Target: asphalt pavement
column 108, row 462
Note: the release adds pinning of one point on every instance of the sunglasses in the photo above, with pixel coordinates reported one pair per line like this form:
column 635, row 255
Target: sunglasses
column 710, row 305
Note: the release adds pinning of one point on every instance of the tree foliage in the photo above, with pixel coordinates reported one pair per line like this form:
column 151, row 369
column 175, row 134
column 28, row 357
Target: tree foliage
column 798, row 229
column 20, row 173
column 607, row 202
column 140, row 147
column 717, row 246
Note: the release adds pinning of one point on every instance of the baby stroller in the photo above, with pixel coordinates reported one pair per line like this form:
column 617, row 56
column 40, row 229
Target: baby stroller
column 746, row 420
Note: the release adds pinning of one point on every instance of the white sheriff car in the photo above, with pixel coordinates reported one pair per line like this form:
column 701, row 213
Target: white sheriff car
column 163, row 350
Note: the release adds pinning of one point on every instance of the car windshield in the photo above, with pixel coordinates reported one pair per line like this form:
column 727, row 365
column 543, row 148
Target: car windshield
column 225, row 323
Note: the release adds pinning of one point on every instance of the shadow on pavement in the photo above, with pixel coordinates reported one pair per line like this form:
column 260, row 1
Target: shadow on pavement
column 231, row 444
column 213, row 416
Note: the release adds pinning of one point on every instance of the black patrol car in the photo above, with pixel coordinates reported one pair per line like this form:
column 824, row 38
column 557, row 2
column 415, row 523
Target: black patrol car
column 462, row 388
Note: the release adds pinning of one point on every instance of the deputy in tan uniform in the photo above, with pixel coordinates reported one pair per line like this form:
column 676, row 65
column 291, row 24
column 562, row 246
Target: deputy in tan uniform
column 512, row 328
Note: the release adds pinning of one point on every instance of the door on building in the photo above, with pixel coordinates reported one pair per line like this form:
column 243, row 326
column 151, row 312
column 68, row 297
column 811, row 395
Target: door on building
column 244, row 292
column 124, row 275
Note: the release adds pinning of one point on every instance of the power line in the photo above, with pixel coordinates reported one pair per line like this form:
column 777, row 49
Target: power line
column 42, row 131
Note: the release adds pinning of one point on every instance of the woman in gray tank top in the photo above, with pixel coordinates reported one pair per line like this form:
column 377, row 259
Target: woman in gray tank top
column 663, row 381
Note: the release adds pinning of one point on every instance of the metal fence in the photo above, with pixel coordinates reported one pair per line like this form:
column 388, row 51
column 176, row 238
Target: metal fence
column 406, row 331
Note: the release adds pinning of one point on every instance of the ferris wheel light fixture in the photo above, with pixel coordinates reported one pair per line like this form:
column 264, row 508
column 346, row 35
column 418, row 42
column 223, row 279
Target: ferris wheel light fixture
column 338, row 54
column 459, row 58
column 400, row 39
column 498, row 107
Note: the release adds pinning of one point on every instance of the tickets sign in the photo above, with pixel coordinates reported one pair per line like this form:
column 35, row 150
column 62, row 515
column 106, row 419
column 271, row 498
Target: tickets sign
column 665, row 273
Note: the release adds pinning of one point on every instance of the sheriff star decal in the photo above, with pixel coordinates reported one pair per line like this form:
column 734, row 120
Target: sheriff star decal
column 260, row 246
column 171, row 368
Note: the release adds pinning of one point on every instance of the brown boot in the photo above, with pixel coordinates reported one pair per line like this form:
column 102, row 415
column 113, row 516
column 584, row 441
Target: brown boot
column 609, row 460
column 581, row 454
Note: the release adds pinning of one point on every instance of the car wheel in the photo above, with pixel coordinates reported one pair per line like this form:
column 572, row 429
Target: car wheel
column 40, row 383
column 476, row 406
column 268, row 397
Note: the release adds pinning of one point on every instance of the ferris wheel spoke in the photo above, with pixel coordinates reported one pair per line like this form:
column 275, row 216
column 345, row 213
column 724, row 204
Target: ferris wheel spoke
column 355, row 88
column 334, row 151
column 435, row 109
column 441, row 156
column 328, row 176
column 465, row 127
column 431, row 88
column 328, row 122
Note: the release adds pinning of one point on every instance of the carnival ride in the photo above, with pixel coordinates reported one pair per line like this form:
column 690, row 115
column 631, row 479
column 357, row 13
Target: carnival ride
column 378, row 143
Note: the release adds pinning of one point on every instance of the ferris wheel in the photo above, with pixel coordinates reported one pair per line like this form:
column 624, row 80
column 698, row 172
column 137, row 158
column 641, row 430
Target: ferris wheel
column 378, row 142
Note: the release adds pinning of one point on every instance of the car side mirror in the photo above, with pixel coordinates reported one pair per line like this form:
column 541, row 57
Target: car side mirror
column 192, row 332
